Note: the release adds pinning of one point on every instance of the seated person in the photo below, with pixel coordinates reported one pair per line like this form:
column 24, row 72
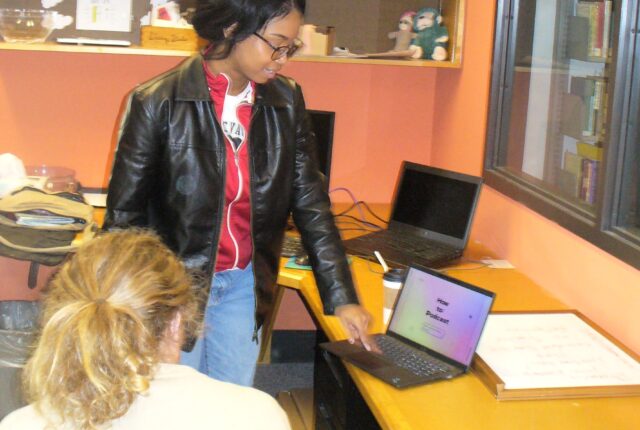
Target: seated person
column 114, row 318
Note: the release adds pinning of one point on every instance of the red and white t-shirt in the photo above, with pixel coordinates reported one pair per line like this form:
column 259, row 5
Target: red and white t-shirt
column 234, row 114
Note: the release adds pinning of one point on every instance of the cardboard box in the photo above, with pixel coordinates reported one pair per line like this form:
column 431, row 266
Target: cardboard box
column 185, row 39
column 318, row 40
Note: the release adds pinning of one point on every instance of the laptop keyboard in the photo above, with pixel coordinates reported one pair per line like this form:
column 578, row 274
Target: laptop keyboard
column 409, row 358
column 401, row 251
column 401, row 243
column 292, row 246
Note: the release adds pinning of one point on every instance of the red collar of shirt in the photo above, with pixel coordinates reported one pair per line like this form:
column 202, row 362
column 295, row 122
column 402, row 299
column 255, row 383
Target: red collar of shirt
column 218, row 88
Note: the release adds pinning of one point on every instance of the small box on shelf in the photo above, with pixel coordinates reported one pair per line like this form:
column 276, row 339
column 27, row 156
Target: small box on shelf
column 185, row 39
column 317, row 40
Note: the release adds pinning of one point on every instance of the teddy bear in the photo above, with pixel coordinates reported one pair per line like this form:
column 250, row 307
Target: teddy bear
column 431, row 38
column 403, row 35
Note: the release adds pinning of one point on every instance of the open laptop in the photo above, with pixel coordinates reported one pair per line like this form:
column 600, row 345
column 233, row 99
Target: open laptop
column 432, row 335
column 431, row 217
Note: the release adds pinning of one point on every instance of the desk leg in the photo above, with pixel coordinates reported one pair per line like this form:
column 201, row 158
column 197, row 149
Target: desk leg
column 337, row 402
column 267, row 330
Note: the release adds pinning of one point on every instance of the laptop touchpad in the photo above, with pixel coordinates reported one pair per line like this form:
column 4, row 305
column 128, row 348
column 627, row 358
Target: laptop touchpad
column 367, row 360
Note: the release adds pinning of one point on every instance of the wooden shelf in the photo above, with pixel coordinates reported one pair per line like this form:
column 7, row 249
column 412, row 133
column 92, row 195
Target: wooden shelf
column 92, row 49
column 453, row 13
column 385, row 62
column 138, row 50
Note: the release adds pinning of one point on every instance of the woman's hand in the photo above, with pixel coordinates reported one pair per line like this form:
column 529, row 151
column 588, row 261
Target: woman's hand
column 355, row 320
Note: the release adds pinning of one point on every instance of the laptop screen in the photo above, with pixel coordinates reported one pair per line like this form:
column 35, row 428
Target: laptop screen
column 441, row 314
column 440, row 201
column 322, row 126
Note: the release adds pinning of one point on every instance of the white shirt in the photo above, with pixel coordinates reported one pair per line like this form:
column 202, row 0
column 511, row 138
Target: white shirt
column 231, row 124
column 181, row 398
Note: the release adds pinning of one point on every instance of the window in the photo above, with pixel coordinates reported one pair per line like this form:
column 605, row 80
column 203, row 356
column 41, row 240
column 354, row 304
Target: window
column 628, row 212
column 563, row 134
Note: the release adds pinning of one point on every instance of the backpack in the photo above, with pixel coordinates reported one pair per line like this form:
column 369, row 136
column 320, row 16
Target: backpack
column 43, row 227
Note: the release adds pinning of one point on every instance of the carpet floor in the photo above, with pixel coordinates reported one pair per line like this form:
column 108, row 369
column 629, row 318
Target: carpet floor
column 275, row 377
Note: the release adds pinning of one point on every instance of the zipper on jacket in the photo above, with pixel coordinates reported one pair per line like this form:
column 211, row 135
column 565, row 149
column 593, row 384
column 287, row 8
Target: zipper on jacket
column 236, row 158
column 216, row 232
column 216, row 235
column 254, row 337
column 253, row 246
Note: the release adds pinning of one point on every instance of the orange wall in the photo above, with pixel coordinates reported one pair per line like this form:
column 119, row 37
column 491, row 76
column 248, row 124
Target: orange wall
column 62, row 109
column 578, row 273
column 383, row 115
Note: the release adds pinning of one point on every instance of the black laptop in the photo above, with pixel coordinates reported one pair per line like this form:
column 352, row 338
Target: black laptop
column 431, row 218
column 432, row 335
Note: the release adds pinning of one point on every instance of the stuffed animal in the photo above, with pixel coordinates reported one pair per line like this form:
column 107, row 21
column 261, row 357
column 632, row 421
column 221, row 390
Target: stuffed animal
column 403, row 35
column 431, row 38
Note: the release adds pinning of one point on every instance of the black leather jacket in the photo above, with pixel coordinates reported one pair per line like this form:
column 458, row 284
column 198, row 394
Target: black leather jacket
column 169, row 174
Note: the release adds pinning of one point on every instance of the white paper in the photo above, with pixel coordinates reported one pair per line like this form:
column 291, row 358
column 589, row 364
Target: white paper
column 97, row 200
column 50, row 3
column 557, row 350
column 104, row 15
column 498, row 264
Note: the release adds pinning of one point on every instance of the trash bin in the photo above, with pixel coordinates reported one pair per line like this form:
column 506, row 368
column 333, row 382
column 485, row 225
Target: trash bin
column 18, row 322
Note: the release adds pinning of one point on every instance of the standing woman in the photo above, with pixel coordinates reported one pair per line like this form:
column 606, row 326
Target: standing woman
column 214, row 155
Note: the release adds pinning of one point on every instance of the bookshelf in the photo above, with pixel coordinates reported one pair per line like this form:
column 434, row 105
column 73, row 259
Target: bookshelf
column 580, row 95
column 563, row 130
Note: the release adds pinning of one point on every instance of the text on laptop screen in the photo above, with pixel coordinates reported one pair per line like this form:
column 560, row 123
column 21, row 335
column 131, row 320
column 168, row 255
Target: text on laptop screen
column 436, row 203
column 441, row 315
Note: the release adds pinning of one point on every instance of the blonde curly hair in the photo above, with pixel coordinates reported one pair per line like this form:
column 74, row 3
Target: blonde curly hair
column 104, row 316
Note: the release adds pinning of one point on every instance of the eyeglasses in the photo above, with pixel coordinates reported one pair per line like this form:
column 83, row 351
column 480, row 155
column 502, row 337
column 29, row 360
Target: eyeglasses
column 281, row 51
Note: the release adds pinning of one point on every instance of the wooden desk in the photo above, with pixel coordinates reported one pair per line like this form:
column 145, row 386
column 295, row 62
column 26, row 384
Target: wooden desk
column 464, row 402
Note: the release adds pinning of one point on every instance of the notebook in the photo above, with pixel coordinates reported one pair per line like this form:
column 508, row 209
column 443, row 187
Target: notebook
column 432, row 212
column 436, row 325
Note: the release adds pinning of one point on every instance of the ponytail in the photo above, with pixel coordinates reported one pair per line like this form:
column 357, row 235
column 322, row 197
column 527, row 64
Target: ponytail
column 104, row 316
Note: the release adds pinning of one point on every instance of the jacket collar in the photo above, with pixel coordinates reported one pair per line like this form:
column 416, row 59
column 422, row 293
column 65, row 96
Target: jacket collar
column 192, row 85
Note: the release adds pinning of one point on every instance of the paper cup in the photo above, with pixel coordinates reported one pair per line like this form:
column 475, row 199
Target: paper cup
column 391, row 282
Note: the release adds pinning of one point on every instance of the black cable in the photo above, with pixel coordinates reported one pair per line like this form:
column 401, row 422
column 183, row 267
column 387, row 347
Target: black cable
column 349, row 209
column 370, row 224
column 366, row 205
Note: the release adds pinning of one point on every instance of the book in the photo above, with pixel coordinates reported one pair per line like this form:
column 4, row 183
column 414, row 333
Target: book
column 596, row 23
column 596, row 36
column 589, row 151
column 582, row 86
column 583, row 10
column 589, row 181
column 572, row 121
column 585, row 107
column 606, row 29
column 572, row 163
column 600, row 106
column 570, row 176
column 589, row 117
column 577, row 38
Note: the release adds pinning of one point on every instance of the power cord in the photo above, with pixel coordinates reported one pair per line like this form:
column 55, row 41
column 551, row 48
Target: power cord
column 358, row 204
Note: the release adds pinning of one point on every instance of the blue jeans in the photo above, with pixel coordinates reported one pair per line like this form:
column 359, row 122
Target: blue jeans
column 227, row 351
